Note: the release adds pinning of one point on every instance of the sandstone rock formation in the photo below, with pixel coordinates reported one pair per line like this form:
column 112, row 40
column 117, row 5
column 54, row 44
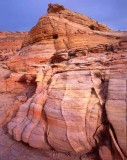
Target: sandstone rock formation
column 10, row 43
column 64, row 93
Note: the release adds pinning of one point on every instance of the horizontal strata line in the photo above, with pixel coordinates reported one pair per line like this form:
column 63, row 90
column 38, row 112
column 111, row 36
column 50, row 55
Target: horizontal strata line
column 90, row 69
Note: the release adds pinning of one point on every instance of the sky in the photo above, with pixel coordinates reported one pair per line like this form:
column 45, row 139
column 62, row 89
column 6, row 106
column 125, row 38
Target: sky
column 22, row 15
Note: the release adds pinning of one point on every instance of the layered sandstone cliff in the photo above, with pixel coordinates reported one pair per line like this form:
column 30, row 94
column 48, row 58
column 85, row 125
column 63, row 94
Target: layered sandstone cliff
column 64, row 93
column 10, row 43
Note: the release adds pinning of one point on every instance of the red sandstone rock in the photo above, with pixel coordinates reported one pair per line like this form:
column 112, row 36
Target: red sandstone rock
column 10, row 42
column 65, row 91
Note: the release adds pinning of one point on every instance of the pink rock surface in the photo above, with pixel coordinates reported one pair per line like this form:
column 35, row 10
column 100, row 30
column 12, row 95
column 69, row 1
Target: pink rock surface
column 63, row 95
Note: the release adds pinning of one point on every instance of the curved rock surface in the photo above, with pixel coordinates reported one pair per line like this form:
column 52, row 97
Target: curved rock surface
column 65, row 93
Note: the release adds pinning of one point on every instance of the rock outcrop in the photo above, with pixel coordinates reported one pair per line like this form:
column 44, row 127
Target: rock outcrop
column 65, row 92
column 10, row 43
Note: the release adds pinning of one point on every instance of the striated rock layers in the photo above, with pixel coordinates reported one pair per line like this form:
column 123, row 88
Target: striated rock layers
column 66, row 90
column 10, row 43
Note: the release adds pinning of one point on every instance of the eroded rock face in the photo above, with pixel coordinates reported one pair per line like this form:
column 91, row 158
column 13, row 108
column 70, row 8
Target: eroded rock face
column 11, row 41
column 67, row 95
column 10, row 44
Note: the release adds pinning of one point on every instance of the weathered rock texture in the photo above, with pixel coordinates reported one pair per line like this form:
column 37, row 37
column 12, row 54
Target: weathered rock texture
column 65, row 93
column 10, row 43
